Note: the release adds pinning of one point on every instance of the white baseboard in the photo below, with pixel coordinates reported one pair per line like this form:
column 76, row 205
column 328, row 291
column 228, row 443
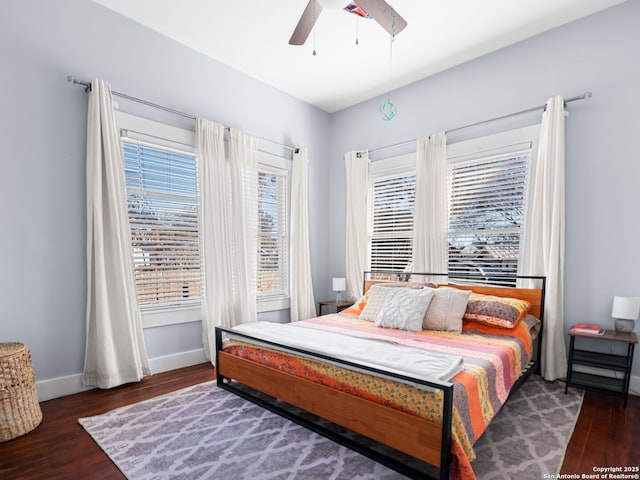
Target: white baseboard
column 178, row 360
column 634, row 385
column 61, row 386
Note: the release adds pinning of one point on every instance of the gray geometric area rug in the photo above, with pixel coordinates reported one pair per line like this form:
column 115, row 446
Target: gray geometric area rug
column 529, row 436
column 203, row 432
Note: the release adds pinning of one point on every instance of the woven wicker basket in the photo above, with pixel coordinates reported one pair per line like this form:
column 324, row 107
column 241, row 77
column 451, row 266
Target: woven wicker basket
column 19, row 408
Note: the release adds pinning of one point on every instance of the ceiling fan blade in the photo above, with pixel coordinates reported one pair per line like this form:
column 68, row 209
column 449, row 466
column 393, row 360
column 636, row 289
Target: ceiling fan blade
column 306, row 23
column 384, row 14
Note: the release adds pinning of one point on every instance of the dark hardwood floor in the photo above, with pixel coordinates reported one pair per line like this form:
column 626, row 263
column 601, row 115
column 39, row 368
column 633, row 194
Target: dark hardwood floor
column 605, row 435
column 60, row 448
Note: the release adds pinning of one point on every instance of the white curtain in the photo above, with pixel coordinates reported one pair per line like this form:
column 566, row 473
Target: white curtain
column 228, row 236
column 543, row 247
column 301, row 286
column 215, row 237
column 357, row 165
column 430, row 218
column 243, row 160
column 115, row 352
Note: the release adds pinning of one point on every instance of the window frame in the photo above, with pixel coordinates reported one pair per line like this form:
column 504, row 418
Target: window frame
column 168, row 136
column 274, row 164
column 506, row 145
column 163, row 135
column 381, row 170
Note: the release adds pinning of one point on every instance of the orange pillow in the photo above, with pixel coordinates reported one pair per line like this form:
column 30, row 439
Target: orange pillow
column 356, row 309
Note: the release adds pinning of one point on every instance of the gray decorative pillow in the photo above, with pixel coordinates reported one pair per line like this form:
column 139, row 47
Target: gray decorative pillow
column 533, row 323
column 376, row 297
column 404, row 309
column 446, row 310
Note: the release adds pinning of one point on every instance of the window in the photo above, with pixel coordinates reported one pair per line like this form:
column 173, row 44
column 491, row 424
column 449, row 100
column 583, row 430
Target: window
column 161, row 173
column 162, row 199
column 272, row 272
column 391, row 200
column 487, row 184
column 486, row 215
column 391, row 221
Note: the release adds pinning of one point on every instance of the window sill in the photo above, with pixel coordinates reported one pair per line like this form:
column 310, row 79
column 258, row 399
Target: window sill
column 171, row 316
column 174, row 316
column 271, row 304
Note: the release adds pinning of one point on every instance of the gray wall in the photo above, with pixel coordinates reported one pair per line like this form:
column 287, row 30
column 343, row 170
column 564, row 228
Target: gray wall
column 43, row 122
column 598, row 53
column 42, row 184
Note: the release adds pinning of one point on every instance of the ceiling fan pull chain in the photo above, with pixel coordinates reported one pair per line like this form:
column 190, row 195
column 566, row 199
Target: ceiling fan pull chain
column 357, row 25
column 315, row 17
column 314, row 42
column 388, row 110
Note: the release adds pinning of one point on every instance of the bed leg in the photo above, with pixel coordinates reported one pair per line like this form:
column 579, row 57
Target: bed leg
column 218, row 342
column 447, row 417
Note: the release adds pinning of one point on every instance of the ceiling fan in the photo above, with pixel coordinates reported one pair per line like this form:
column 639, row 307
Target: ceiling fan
column 379, row 10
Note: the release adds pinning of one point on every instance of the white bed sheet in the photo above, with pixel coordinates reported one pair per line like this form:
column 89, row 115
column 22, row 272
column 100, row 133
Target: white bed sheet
column 392, row 358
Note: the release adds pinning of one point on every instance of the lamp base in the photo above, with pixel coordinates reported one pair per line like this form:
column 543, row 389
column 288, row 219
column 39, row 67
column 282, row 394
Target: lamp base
column 623, row 326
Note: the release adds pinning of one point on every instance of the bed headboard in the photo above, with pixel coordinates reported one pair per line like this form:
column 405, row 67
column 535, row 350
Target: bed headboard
column 509, row 285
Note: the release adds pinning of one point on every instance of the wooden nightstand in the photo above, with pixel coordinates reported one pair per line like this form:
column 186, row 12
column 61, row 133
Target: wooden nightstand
column 333, row 303
column 606, row 361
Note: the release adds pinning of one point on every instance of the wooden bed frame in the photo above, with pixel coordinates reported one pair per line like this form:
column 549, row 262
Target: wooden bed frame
column 417, row 437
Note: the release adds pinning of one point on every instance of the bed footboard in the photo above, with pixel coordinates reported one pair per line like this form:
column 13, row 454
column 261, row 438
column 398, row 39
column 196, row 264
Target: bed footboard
column 414, row 436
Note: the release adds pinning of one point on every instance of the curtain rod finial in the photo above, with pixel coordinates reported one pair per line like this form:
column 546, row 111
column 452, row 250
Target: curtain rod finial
column 587, row 95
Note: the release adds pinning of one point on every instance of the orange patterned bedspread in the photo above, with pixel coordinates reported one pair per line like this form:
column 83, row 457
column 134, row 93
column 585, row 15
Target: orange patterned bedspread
column 493, row 360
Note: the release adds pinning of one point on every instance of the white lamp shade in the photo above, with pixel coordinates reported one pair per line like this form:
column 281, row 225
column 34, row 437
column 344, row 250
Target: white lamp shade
column 339, row 284
column 626, row 308
column 334, row 5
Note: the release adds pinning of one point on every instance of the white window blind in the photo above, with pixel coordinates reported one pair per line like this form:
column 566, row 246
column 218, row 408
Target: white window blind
column 487, row 185
column 162, row 197
column 273, row 266
column 391, row 205
column 487, row 214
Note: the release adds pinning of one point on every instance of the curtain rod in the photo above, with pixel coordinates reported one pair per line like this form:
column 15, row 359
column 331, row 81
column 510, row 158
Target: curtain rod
column 585, row 96
column 87, row 87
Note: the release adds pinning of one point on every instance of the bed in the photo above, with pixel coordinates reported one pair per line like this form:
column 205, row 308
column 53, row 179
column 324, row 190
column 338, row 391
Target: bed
column 429, row 422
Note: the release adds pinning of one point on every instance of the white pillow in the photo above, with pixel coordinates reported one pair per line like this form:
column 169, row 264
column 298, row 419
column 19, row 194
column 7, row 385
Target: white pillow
column 404, row 309
column 446, row 310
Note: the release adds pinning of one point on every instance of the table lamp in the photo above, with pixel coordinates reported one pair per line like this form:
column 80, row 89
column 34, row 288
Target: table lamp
column 625, row 312
column 339, row 285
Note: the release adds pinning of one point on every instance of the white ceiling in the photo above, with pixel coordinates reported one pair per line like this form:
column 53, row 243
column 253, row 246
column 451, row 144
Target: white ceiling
column 252, row 36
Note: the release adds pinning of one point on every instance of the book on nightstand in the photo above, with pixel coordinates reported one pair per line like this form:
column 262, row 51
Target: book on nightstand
column 587, row 328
